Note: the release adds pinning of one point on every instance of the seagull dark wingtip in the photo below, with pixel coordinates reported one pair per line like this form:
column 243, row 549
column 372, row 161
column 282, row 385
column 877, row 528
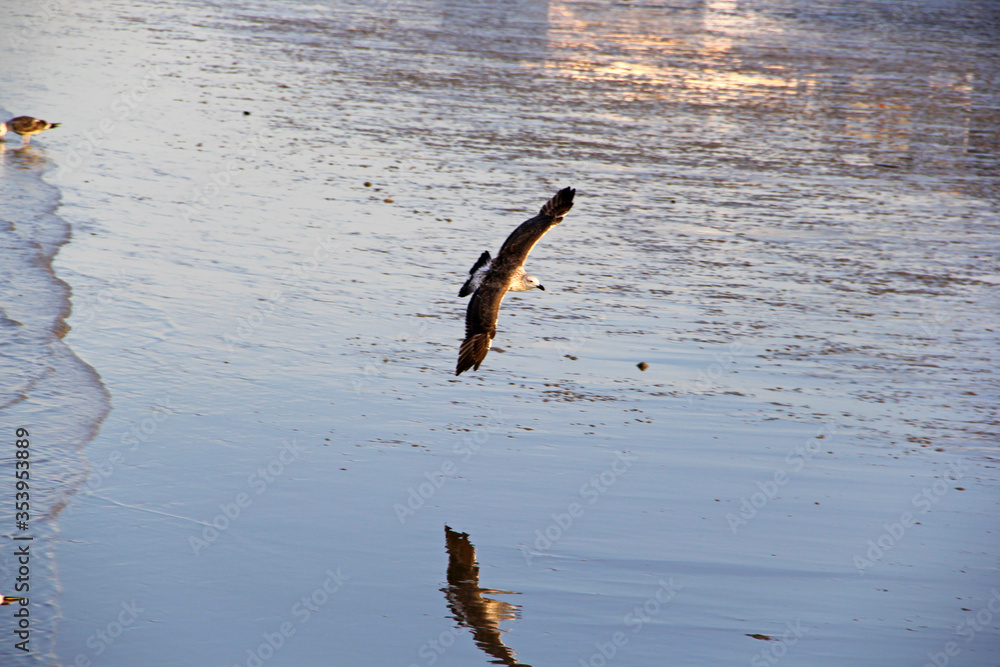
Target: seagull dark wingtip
column 560, row 204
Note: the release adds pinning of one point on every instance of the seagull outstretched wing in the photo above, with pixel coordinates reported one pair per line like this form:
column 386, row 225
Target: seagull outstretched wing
column 515, row 249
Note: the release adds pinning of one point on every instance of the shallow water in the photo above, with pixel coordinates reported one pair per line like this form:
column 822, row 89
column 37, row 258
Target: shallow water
column 788, row 211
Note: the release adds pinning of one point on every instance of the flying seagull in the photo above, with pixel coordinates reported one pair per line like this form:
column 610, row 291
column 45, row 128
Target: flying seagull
column 25, row 126
column 491, row 278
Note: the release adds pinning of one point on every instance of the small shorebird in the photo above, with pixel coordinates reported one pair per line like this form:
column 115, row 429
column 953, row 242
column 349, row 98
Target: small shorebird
column 491, row 278
column 6, row 599
column 25, row 126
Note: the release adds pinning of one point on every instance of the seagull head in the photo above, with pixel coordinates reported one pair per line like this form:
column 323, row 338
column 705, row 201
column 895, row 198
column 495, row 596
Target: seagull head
column 531, row 282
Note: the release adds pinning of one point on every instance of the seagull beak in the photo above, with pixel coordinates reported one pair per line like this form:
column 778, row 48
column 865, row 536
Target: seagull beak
column 541, row 287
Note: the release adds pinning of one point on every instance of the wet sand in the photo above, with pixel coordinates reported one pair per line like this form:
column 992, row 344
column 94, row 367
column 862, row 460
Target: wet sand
column 787, row 211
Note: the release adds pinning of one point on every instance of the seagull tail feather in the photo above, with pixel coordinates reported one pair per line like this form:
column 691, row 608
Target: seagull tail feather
column 560, row 204
column 472, row 352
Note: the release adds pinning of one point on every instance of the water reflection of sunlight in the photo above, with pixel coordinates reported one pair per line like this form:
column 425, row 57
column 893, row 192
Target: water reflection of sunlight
column 720, row 22
column 890, row 118
column 653, row 48
column 729, row 55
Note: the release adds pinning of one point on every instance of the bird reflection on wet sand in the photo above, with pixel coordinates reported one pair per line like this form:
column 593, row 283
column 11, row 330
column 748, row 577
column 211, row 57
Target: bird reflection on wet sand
column 25, row 157
column 469, row 608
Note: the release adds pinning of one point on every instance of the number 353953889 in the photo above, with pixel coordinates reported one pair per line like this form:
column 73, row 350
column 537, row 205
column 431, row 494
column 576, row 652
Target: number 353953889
column 21, row 466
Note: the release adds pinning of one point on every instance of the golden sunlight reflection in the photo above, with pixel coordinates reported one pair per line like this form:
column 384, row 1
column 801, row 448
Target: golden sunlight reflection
column 469, row 608
column 651, row 47
column 730, row 55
